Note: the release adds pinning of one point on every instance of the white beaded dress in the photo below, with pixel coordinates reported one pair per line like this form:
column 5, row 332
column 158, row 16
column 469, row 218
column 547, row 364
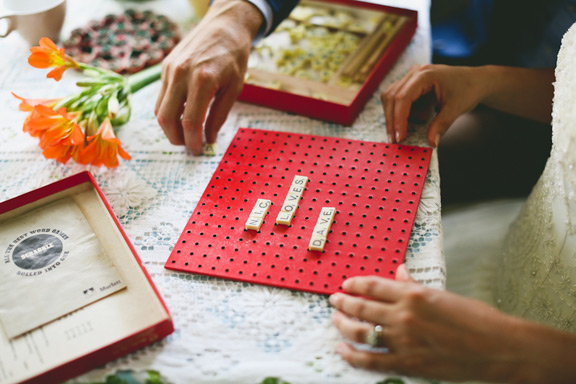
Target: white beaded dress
column 520, row 256
column 535, row 276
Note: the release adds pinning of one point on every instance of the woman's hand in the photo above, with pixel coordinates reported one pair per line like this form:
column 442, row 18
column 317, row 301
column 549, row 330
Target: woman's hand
column 453, row 90
column 429, row 333
column 204, row 74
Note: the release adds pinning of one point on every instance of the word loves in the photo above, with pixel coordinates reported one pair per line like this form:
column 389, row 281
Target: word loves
column 291, row 201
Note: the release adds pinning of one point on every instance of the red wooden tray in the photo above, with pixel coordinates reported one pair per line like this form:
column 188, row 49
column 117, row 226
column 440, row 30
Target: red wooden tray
column 326, row 110
column 375, row 188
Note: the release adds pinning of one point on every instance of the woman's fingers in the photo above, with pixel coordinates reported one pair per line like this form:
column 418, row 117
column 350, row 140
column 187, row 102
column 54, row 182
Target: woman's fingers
column 388, row 101
column 443, row 120
column 402, row 274
column 384, row 362
column 369, row 310
column 416, row 87
column 448, row 87
column 375, row 287
column 389, row 98
column 357, row 331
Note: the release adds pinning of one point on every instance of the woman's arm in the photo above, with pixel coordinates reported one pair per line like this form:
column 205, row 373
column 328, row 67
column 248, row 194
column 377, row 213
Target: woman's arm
column 456, row 90
column 523, row 92
column 436, row 334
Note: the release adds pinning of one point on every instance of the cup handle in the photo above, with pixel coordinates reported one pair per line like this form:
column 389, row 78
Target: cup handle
column 10, row 22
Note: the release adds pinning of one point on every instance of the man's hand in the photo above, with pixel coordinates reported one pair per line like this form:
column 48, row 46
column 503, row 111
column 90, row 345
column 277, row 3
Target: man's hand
column 204, row 74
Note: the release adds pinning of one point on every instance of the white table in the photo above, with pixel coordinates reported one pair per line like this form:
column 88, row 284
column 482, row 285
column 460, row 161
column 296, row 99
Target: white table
column 226, row 331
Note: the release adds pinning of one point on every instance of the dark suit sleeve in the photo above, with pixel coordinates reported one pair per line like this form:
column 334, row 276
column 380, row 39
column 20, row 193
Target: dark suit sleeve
column 280, row 10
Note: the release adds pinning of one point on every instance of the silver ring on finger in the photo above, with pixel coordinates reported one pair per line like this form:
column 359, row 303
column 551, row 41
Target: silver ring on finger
column 375, row 337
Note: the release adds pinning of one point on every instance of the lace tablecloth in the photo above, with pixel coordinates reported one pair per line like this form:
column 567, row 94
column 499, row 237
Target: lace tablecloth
column 226, row 332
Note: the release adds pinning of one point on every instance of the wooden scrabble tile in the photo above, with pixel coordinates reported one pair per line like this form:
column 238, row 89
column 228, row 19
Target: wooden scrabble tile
column 317, row 243
column 209, row 149
column 291, row 201
column 289, row 207
column 260, row 208
column 254, row 223
column 325, row 218
column 297, row 189
column 300, row 181
column 284, row 218
column 322, row 229
column 292, row 198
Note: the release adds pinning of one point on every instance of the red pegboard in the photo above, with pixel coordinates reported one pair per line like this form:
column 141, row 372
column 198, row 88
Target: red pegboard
column 375, row 188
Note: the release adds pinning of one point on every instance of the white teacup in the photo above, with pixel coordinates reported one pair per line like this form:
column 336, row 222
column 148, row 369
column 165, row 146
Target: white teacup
column 32, row 19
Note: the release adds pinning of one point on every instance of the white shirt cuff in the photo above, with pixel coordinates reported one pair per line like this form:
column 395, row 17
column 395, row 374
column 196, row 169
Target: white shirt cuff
column 266, row 11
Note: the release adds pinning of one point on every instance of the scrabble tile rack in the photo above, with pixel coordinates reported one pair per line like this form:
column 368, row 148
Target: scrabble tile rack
column 375, row 188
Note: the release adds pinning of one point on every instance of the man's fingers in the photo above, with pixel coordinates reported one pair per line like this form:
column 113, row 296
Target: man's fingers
column 169, row 112
column 219, row 112
column 201, row 92
column 163, row 86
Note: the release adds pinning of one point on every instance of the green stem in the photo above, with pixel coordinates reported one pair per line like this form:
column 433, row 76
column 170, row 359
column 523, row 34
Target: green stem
column 146, row 76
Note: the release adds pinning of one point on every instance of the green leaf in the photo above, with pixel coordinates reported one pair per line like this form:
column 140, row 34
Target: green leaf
column 154, row 377
column 122, row 377
column 391, row 381
column 273, row 380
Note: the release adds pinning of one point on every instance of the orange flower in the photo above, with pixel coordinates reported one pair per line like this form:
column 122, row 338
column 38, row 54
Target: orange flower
column 103, row 148
column 60, row 137
column 27, row 105
column 49, row 55
column 43, row 119
column 56, row 127
column 68, row 145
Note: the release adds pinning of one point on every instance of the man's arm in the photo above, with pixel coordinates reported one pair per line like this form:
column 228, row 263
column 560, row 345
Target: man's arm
column 203, row 76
